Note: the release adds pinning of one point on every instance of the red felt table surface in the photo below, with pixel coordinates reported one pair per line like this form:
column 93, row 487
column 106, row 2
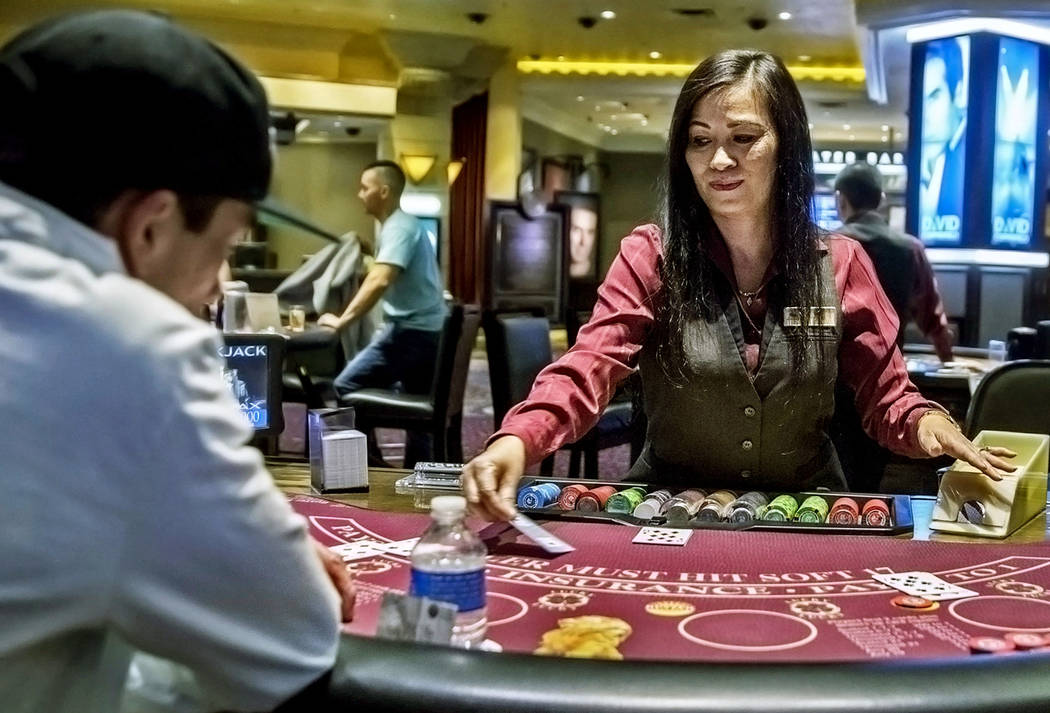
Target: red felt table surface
column 724, row 596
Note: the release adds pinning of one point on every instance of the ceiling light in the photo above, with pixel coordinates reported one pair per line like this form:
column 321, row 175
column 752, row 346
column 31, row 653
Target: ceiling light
column 614, row 132
column 804, row 58
column 885, row 127
column 784, row 16
column 811, row 127
column 655, row 55
column 393, row 16
column 608, row 15
column 561, row 58
column 645, row 122
column 579, row 97
column 845, row 127
column 852, row 137
column 885, row 139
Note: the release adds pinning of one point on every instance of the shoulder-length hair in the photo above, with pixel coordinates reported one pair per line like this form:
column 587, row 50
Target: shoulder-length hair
column 686, row 269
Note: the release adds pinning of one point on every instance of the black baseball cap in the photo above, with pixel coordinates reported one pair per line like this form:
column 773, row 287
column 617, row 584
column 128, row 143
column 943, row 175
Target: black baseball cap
column 129, row 99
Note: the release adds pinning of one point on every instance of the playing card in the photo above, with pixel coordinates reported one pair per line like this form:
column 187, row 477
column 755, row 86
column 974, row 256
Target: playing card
column 362, row 549
column 541, row 537
column 402, row 548
column 925, row 585
column 663, row 536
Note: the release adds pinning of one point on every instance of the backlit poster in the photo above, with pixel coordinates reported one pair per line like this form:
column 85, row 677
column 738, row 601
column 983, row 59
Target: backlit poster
column 943, row 140
column 1013, row 175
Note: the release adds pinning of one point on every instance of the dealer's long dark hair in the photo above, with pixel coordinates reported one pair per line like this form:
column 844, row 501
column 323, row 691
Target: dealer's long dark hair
column 686, row 270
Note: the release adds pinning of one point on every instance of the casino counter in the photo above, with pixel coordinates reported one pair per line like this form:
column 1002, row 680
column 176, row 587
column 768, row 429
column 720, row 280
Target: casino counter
column 382, row 675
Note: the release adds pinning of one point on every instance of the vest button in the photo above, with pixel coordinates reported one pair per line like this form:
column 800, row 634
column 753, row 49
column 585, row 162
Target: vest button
column 747, row 445
column 745, row 474
column 749, row 411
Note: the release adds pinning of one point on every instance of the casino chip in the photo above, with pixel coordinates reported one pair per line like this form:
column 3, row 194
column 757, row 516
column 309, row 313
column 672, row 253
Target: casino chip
column 989, row 645
column 1025, row 640
column 906, row 601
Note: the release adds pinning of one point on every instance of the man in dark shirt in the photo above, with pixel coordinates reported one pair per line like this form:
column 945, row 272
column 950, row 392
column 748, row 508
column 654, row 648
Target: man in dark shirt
column 900, row 260
column 908, row 280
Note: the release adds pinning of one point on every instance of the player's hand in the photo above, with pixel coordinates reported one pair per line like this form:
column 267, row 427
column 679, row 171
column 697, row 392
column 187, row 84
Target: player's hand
column 342, row 581
column 490, row 481
column 938, row 435
column 329, row 321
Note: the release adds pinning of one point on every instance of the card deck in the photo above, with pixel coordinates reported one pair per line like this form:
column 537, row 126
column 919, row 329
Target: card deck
column 362, row 549
column 925, row 585
column 663, row 536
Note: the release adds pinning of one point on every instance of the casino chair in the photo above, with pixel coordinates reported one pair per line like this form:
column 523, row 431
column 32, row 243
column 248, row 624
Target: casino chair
column 439, row 412
column 1012, row 397
column 518, row 349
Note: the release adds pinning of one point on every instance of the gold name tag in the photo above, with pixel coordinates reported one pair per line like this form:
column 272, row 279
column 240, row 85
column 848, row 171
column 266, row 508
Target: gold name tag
column 818, row 317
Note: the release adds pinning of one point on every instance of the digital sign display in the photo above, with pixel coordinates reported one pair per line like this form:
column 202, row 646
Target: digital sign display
column 943, row 140
column 825, row 212
column 1013, row 173
column 246, row 374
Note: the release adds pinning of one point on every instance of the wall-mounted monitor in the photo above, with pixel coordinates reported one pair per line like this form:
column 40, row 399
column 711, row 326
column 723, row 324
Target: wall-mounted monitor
column 825, row 212
column 432, row 228
column 252, row 371
column 1013, row 172
column 527, row 257
column 584, row 232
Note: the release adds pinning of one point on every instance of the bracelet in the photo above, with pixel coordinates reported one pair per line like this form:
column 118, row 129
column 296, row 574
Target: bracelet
column 943, row 414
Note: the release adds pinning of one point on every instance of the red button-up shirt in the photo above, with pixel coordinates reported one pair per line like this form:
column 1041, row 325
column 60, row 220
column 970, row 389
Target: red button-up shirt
column 569, row 395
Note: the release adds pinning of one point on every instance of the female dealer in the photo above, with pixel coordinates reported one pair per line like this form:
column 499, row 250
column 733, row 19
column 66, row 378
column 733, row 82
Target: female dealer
column 739, row 314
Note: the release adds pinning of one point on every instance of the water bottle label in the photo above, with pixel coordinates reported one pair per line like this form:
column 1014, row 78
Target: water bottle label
column 464, row 589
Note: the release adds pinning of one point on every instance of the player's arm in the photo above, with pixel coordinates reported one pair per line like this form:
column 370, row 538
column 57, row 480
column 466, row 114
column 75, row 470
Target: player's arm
column 217, row 572
column 376, row 282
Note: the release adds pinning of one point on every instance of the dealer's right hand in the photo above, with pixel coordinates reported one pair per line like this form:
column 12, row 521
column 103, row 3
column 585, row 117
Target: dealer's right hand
column 490, row 481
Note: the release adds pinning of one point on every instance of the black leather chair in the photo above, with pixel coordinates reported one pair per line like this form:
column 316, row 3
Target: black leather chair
column 1012, row 397
column 518, row 349
column 438, row 412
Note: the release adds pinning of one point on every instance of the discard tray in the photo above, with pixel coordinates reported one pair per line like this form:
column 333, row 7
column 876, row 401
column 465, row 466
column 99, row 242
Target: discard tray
column 900, row 515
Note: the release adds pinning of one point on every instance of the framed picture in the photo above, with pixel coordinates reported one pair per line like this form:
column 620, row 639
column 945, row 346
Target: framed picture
column 584, row 232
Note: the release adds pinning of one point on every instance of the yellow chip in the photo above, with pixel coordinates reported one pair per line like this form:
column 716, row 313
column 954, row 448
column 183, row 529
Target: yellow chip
column 670, row 608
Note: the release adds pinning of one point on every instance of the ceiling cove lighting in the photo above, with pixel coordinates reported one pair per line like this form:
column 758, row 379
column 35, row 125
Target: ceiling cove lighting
column 608, row 15
column 784, row 16
column 671, row 69
column 967, row 25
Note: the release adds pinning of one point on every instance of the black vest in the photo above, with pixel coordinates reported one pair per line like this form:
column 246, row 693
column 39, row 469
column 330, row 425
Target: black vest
column 721, row 429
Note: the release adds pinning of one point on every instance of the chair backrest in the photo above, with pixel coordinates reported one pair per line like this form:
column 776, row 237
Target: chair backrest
column 1012, row 397
column 446, row 358
column 461, row 362
column 518, row 348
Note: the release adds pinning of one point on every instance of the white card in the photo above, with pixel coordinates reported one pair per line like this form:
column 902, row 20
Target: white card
column 362, row 549
column 541, row 537
column 663, row 536
column 925, row 585
column 400, row 547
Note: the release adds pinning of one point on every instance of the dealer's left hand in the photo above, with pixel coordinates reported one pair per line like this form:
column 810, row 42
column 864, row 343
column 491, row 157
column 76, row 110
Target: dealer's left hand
column 938, row 435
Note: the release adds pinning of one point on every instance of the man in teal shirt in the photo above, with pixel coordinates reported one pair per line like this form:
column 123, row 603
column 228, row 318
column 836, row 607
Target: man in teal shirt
column 406, row 279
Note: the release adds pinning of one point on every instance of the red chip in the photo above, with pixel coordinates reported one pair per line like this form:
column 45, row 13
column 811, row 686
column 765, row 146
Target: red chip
column 1025, row 640
column 989, row 645
column 910, row 602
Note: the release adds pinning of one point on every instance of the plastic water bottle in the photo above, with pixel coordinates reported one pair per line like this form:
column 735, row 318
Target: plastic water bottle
column 448, row 565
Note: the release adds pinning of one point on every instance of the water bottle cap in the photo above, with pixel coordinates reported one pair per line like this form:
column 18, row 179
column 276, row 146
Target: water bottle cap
column 448, row 505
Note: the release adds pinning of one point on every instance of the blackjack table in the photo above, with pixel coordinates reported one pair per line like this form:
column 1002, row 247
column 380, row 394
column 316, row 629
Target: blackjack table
column 732, row 620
